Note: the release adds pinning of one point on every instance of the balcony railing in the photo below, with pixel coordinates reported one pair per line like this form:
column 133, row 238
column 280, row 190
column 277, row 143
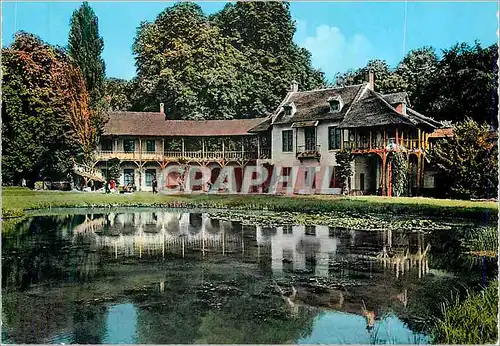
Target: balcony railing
column 391, row 144
column 188, row 155
column 308, row 151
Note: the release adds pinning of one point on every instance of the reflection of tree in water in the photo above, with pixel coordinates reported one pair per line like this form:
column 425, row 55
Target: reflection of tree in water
column 39, row 251
column 30, row 319
column 203, row 304
column 89, row 324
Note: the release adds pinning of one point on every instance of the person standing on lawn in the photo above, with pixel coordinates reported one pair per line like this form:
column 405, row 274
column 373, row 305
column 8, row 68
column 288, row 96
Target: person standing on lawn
column 154, row 184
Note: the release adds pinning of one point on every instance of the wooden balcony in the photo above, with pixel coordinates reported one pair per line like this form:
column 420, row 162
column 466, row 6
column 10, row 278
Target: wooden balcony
column 199, row 155
column 404, row 145
column 308, row 152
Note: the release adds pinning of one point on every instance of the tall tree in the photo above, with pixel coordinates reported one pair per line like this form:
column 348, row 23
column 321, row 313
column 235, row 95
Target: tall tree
column 42, row 90
column 184, row 62
column 386, row 79
column 85, row 47
column 238, row 63
column 118, row 94
column 418, row 69
column 263, row 33
column 468, row 161
column 464, row 85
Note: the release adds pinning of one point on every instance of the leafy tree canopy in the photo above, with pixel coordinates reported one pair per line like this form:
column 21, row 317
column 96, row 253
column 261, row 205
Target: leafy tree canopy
column 44, row 111
column 461, row 84
column 118, row 93
column 226, row 66
column 468, row 161
column 85, row 47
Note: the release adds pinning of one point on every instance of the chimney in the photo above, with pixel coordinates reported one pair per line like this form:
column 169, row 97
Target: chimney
column 294, row 87
column 162, row 108
column 371, row 81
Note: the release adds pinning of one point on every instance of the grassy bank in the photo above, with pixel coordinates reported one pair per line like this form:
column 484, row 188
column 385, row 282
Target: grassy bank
column 473, row 321
column 16, row 200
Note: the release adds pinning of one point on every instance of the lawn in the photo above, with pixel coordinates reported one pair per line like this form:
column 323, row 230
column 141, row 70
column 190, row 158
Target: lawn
column 16, row 200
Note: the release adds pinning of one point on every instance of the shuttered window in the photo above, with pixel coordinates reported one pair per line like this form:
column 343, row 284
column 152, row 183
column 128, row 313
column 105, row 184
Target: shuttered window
column 287, row 140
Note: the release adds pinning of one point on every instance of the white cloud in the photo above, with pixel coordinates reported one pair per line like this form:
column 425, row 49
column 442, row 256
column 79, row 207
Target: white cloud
column 331, row 51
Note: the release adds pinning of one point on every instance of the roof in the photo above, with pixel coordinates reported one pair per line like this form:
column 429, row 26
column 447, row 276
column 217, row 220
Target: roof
column 313, row 105
column 395, row 98
column 311, row 123
column 261, row 127
column 370, row 109
column 442, row 133
column 418, row 118
column 362, row 107
column 154, row 124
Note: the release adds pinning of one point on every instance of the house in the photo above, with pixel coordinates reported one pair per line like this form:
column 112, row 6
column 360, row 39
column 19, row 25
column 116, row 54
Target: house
column 307, row 129
column 310, row 127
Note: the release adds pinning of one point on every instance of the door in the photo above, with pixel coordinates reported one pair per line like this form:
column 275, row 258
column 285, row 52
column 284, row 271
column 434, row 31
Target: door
column 310, row 137
column 362, row 181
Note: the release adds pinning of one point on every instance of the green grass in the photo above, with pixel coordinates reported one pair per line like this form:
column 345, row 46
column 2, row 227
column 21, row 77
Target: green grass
column 16, row 200
column 473, row 321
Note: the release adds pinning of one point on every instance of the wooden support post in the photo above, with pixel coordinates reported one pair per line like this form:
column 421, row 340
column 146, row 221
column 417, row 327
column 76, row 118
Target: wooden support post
column 258, row 146
column 389, row 178
column 384, row 161
column 422, row 180
column 419, row 139
column 385, row 138
column 397, row 139
column 342, row 139
column 370, row 140
column 242, row 147
column 203, row 147
column 182, row 139
column 419, row 159
column 163, row 148
column 223, row 148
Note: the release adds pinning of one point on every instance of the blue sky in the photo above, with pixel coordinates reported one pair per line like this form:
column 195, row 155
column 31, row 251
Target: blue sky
column 339, row 35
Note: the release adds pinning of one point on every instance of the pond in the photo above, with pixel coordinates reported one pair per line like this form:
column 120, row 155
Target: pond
column 175, row 276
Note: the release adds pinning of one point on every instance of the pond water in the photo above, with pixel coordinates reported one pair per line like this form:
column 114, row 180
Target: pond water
column 173, row 276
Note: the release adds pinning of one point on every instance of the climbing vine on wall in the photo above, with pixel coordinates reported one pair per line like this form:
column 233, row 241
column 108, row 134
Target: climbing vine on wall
column 344, row 159
column 400, row 174
column 113, row 169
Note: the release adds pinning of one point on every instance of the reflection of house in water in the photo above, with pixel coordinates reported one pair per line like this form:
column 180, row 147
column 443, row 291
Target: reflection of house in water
column 146, row 233
column 300, row 248
column 312, row 249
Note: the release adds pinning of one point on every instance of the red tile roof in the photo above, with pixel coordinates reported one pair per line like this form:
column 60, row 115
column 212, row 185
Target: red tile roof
column 442, row 133
column 154, row 124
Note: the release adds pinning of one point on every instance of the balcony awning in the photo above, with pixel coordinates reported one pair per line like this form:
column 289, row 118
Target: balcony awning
column 311, row 123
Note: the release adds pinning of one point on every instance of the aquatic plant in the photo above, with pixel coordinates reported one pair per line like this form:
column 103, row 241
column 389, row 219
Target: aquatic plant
column 482, row 241
column 473, row 321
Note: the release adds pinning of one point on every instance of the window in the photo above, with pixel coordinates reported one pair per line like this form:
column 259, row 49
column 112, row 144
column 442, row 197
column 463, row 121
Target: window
column 286, row 172
column 107, row 144
column 129, row 145
column 334, row 105
column 150, row 146
column 150, row 174
column 334, row 183
column 287, row 140
column 334, row 138
column 310, row 230
column 287, row 229
column 288, row 110
column 310, row 138
column 128, row 177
